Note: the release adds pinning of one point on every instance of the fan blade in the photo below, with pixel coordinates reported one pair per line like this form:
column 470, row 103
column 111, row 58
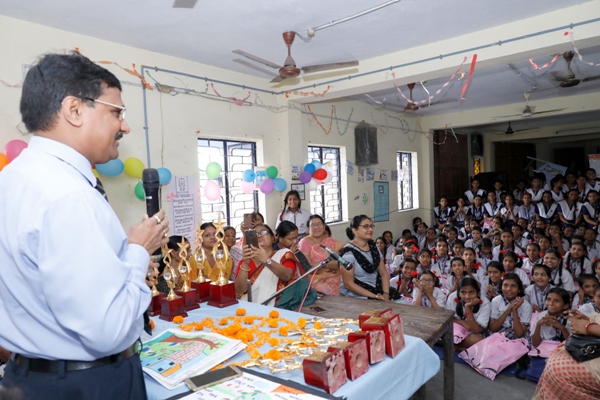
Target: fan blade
column 548, row 111
column 507, row 116
column 591, row 78
column 257, row 59
column 184, row 3
column 278, row 78
column 326, row 67
column 450, row 100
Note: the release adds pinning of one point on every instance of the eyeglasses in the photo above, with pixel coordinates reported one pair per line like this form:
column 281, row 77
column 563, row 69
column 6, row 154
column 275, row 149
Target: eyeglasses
column 316, row 224
column 121, row 109
column 264, row 232
column 367, row 226
column 426, row 280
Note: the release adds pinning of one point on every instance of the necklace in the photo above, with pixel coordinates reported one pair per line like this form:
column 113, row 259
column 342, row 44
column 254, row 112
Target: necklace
column 355, row 243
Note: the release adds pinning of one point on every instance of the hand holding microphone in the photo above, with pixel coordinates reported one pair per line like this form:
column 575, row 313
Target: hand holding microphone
column 343, row 262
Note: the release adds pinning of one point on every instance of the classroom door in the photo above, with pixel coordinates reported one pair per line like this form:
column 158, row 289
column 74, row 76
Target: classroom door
column 451, row 166
column 512, row 158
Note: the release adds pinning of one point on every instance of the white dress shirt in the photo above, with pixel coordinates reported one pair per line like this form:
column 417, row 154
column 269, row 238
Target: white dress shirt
column 299, row 218
column 71, row 287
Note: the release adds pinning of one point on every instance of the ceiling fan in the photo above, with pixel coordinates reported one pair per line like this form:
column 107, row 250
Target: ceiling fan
column 289, row 69
column 569, row 79
column 527, row 111
column 510, row 131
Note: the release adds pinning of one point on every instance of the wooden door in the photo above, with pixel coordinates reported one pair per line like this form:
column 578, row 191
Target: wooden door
column 512, row 158
column 451, row 166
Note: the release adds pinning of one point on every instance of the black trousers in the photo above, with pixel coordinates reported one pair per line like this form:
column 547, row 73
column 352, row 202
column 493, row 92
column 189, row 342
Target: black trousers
column 121, row 380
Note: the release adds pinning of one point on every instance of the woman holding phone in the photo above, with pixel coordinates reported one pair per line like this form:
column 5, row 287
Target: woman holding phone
column 268, row 270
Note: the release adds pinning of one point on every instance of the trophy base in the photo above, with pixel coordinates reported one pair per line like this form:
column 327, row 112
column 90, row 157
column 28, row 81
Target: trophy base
column 155, row 307
column 325, row 370
column 222, row 296
column 172, row 308
column 202, row 291
column 190, row 301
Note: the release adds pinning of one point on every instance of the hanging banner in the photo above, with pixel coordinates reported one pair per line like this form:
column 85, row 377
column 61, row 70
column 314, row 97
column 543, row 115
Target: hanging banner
column 549, row 169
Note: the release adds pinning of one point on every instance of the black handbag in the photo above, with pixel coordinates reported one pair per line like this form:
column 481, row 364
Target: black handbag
column 583, row 347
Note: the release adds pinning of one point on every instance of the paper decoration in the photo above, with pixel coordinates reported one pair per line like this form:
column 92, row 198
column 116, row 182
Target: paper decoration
column 296, row 170
column 365, row 198
column 349, row 168
column 370, row 174
column 361, row 174
column 184, row 203
column 299, row 187
column 383, row 175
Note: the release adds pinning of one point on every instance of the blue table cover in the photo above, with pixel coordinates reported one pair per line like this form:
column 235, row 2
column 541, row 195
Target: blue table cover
column 394, row 378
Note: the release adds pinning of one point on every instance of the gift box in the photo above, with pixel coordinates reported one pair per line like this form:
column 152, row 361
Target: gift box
column 326, row 370
column 356, row 357
column 375, row 343
column 387, row 313
column 393, row 332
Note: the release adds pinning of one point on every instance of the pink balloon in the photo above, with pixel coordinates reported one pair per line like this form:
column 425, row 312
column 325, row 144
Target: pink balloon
column 247, row 187
column 14, row 148
column 305, row 177
column 212, row 191
column 267, row 186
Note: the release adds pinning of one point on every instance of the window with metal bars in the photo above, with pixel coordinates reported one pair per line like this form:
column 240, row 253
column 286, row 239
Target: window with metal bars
column 327, row 199
column 405, row 180
column 234, row 157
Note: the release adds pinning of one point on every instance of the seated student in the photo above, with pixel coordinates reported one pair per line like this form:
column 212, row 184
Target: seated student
column 520, row 241
column 500, row 192
column 587, row 288
column 404, row 282
column 536, row 294
column 508, row 244
column 558, row 241
column 568, row 233
column 536, row 190
column 472, row 267
column 491, row 282
column 495, row 228
column 581, row 188
column 416, row 222
column 593, row 306
column 441, row 260
column 545, row 244
column 512, row 265
column 380, row 243
column 569, row 210
column 470, row 311
column 591, row 181
column 430, row 239
column 424, row 260
column 547, row 209
column 410, row 249
column 477, row 209
column 406, row 233
column 497, row 240
column 442, row 213
column 493, row 207
column 519, row 191
column 484, row 255
column 589, row 211
column 460, row 213
column 474, row 191
column 570, row 182
column 551, row 324
column 464, row 233
column 511, row 313
column 593, row 247
column 510, row 211
column 421, row 233
column 427, row 293
column 458, row 272
column 458, row 248
column 390, row 250
column 527, row 234
column 452, row 236
column 532, row 259
column 555, row 188
column 560, row 276
column 527, row 210
column 576, row 261
column 476, row 238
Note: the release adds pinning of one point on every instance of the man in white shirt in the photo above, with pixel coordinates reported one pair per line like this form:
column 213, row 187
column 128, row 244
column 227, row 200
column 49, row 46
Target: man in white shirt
column 72, row 283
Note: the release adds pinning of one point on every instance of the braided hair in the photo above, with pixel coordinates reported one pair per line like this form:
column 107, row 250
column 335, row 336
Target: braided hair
column 560, row 266
column 285, row 201
column 464, row 282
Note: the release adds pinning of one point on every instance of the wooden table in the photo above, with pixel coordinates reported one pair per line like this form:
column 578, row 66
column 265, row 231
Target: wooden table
column 425, row 323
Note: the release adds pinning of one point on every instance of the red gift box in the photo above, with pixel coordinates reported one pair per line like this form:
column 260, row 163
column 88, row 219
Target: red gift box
column 326, row 370
column 393, row 331
column 356, row 357
column 375, row 344
column 387, row 313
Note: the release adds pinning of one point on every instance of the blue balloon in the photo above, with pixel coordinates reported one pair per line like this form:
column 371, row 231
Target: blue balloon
column 317, row 164
column 310, row 168
column 280, row 184
column 112, row 168
column 164, row 175
column 249, row 175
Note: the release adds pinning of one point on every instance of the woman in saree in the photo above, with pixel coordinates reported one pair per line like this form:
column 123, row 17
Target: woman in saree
column 208, row 267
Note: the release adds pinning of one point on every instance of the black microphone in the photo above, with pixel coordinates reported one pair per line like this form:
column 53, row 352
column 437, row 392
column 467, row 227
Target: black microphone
column 151, row 183
column 346, row 264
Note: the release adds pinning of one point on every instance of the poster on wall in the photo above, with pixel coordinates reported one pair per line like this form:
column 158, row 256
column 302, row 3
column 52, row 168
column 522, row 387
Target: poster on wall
column 296, row 170
column 383, row 175
column 361, row 174
column 394, row 175
column 299, row 187
column 381, row 201
column 349, row 167
column 595, row 162
column 261, row 175
column 370, row 174
column 184, row 199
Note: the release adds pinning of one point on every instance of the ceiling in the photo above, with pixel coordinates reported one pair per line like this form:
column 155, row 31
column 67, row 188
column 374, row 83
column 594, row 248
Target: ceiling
column 210, row 31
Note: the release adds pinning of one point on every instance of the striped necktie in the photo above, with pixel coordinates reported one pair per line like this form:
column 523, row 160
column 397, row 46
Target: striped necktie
column 100, row 189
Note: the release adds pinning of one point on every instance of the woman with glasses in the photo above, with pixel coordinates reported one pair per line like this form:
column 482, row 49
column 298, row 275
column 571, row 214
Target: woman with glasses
column 327, row 279
column 208, row 241
column 269, row 270
column 369, row 277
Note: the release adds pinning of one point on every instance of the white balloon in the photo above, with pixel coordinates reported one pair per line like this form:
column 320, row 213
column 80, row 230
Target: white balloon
column 328, row 178
column 312, row 185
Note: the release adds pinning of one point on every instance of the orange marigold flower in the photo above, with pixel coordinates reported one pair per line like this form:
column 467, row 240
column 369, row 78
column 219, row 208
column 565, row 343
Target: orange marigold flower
column 274, row 314
column 198, row 327
column 240, row 312
column 152, row 324
column 248, row 320
column 223, row 321
column 318, row 325
column 178, row 319
column 283, row 331
column 273, row 342
column 253, row 352
column 273, row 355
column 186, row 328
column 273, row 323
column 301, row 322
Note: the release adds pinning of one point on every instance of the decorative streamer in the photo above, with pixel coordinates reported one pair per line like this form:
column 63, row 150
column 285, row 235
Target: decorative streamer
column 535, row 66
column 428, row 94
column 337, row 124
column 572, row 39
column 239, row 102
column 287, row 94
column 402, row 123
column 429, row 138
column 464, row 89
column 330, row 119
column 16, row 85
column 454, row 134
column 131, row 71
column 382, row 103
column 436, row 93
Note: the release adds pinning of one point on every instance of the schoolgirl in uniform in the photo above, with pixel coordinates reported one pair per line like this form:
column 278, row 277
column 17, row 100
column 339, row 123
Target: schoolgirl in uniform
column 589, row 211
column 519, row 191
column 533, row 258
column 404, row 282
column 570, row 182
column 592, row 183
column 593, row 247
column 545, row 244
column 458, row 272
column 510, row 211
column 582, row 188
column 587, row 288
column 441, row 261
column 569, row 210
column 536, row 190
column 458, row 248
column 476, row 238
column 576, row 261
column 460, row 213
column 536, row 294
column 409, row 251
column 508, row 244
column 474, row 191
column 512, row 265
column 493, row 207
column 559, row 242
column 470, row 310
column 421, row 233
column 556, row 189
column 430, row 239
column 424, row 259
column 551, row 324
column 520, row 241
column 527, row 210
column 511, row 313
column 491, row 284
column 484, row 255
column 477, row 209
column 390, row 251
column 547, row 209
column 442, row 213
column 427, row 293
column 560, row 276
column 472, row 267
column 593, row 306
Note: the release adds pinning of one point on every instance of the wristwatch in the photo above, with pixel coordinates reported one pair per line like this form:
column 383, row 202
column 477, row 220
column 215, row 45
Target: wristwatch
column 269, row 262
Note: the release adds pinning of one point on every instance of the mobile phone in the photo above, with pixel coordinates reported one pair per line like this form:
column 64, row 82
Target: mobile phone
column 199, row 382
column 251, row 237
column 318, row 309
column 249, row 219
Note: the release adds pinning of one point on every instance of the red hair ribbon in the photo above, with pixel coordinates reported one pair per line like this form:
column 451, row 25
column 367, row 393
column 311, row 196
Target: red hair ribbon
column 415, row 249
column 457, row 300
column 414, row 273
column 595, row 260
column 434, row 273
column 480, row 301
column 476, row 266
column 521, row 256
column 503, row 275
column 502, row 252
column 434, row 257
column 541, row 255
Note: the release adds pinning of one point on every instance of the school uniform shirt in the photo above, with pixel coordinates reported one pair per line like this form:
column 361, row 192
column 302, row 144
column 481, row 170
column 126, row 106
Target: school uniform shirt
column 570, row 213
column 536, row 195
column 499, row 194
column 595, row 186
column 592, row 252
column 299, row 218
column 429, row 246
column 481, row 273
column 523, row 242
column 534, row 295
column 591, row 211
column 397, row 261
column 589, row 308
column 484, row 260
column 470, row 194
column 504, row 212
column 522, row 275
column 473, row 244
column 526, row 212
column 518, row 195
column 463, row 234
column 566, row 278
column 438, row 295
column 577, row 267
column 441, row 265
column 484, row 285
column 586, row 300
column 496, row 251
column 442, row 214
column 549, row 332
column 450, row 281
column 547, row 213
column 389, row 253
column 583, row 194
column 528, row 265
column 557, row 196
column 499, row 306
column 421, row 238
column 492, row 209
column 482, row 317
column 459, row 222
column 478, row 213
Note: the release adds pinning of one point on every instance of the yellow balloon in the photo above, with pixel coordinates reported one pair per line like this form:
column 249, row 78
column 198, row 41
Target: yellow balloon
column 96, row 174
column 134, row 167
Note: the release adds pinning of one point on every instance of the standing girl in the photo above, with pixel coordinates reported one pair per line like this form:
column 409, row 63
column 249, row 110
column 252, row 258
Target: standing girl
column 293, row 212
column 536, row 294
column 560, row 276
column 427, row 293
column 491, row 285
column 470, row 311
column 511, row 313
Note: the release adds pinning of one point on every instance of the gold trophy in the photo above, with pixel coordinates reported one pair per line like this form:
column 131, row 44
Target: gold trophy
column 222, row 292
column 154, row 307
column 172, row 305
column 201, row 283
column 189, row 295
